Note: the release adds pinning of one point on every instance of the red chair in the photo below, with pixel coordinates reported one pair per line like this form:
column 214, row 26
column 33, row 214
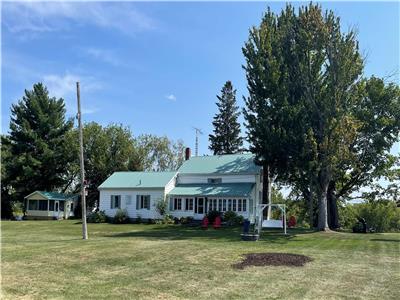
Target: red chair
column 204, row 223
column 217, row 222
column 292, row 222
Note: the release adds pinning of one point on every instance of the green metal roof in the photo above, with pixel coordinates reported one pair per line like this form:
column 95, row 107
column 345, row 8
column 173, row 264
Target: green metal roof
column 138, row 180
column 54, row 195
column 220, row 190
column 220, row 164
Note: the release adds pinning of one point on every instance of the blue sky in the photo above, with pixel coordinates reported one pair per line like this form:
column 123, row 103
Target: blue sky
column 157, row 67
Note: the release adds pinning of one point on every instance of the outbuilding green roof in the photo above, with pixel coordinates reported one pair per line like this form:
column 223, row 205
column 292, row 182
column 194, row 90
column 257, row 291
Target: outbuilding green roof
column 220, row 164
column 138, row 180
column 54, row 195
column 217, row 190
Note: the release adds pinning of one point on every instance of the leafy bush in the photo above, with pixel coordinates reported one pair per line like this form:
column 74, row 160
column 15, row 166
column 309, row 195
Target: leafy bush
column 17, row 209
column 168, row 219
column 97, row 217
column 185, row 220
column 232, row 218
column 161, row 207
column 121, row 216
column 382, row 216
column 212, row 214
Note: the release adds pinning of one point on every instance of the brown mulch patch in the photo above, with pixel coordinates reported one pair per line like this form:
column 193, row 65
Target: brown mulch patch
column 273, row 259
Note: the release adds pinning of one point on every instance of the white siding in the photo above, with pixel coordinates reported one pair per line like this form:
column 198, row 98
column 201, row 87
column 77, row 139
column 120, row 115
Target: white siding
column 185, row 179
column 155, row 196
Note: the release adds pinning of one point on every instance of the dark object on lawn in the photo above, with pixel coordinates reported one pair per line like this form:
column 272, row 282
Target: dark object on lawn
column 246, row 226
column 361, row 226
column 273, row 259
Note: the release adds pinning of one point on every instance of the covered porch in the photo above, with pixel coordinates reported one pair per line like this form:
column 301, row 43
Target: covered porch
column 196, row 200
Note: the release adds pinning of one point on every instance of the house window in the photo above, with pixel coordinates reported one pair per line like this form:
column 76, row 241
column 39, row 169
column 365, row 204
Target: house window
column 244, row 205
column 224, row 205
column 177, row 204
column 33, row 205
column 51, row 205
column 234, row 204
column 229, row 204
column 210, row 204
column 115, row 201
column 189, row 204
column 42, row 204
column 62, row 205
column 128, row 200
column 214, row 180
column 220, row 205
column 143, row 202
column 72, row 207
column 215, row 201
column 239, row 204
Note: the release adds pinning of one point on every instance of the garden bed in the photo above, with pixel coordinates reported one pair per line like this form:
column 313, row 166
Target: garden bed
column 273, row 259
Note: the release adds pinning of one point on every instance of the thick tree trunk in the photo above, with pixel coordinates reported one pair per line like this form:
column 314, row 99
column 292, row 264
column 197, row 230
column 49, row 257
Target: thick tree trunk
column 322, row 201
column 333, row 214
column 308, row 196
column 267, row 189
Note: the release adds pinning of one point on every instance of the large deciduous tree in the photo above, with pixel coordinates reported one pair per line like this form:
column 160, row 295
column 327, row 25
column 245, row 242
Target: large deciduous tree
column 226, row 138
column 36, row 143
column 310, row 116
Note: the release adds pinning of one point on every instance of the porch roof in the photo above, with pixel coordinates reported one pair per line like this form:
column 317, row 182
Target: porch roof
column 54, row 195
column 217, row 190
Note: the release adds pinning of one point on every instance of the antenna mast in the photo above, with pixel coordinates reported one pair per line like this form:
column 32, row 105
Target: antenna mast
column 198, row 131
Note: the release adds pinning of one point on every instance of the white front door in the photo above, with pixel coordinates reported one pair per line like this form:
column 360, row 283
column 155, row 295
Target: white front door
column 199, row 208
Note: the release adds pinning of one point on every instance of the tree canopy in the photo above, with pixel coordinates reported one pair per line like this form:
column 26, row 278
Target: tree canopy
column 226, row 138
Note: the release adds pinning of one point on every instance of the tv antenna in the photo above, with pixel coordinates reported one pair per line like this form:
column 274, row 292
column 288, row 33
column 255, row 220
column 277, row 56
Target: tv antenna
column 198, row 131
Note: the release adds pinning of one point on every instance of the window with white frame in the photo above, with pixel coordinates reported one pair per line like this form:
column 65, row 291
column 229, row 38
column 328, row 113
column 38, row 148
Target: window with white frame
column 115, row 201
column 143, row 202
column 224, row 205
column 177, row 203
column 244, row 205
column 234, row 204
column 229, row 204
column 189, row 204
column 239, row 204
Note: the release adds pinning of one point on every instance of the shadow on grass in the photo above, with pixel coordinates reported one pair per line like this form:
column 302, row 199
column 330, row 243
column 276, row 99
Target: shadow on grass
column 385, row 240
column 232, row 234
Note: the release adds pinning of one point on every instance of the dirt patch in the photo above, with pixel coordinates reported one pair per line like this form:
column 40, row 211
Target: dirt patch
column 273, row 259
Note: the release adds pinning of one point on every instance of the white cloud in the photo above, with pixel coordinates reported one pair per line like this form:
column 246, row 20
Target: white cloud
column 171, row 97
column 65, row 85
column 39, row 17
column 103, row 55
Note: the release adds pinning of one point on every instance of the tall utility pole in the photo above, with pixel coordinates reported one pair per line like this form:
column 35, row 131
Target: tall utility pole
column 83, row 195
column 198, row 131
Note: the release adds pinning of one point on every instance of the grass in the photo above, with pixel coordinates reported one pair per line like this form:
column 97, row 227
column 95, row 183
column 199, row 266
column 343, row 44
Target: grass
column 47, row 259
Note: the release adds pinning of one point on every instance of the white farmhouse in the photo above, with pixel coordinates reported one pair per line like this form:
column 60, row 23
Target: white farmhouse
column 202, row 183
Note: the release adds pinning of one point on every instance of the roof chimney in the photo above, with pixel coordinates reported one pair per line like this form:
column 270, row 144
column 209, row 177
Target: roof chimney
column 187, row 153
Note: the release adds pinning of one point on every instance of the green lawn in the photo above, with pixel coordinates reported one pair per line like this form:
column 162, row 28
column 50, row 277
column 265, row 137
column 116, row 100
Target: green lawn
column 47, row 259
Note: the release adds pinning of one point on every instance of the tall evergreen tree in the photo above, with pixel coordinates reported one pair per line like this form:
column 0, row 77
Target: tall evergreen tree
column 226, row 138
column 36, row 143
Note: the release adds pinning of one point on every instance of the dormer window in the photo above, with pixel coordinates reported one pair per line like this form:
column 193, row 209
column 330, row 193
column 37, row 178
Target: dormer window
column 214, row 180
